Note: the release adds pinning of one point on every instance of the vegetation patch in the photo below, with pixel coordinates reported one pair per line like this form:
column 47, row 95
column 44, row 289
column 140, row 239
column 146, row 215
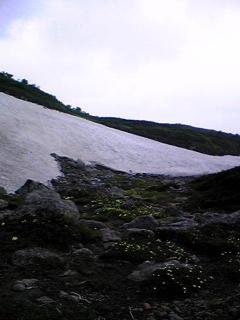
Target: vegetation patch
column 230, row 265
column 212, row 239
column 142, row 250
column 173, row 281
column 40, row 231
column 217, row 191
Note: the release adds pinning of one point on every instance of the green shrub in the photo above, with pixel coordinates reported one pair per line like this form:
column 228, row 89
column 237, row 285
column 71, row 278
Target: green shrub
column 177, row 280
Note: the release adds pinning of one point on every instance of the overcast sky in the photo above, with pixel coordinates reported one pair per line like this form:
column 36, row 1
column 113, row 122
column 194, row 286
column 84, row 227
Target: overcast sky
column 175, row 61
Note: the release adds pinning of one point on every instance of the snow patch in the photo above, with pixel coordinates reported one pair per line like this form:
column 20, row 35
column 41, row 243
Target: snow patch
column 29, row 133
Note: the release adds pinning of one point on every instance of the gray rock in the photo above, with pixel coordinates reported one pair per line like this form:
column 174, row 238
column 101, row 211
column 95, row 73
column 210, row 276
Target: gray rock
column 25, row 284
column 162, row 314
column 146, row 269
column 84, row 253
column 93, row 224
column 50, row 202
column 7, row 214
column 2, row 191
column 45, row 300
column 173, row 211
column 35, row 255
column 69, row 273
column 109, row 235
column 215, row 218
column 30, row 186
column 3, row 204
column 138, row 233
column 73, row 296
column 142, row 222
column 173, row 316
column 183, row 225
column 83, row 261
column 19, row 287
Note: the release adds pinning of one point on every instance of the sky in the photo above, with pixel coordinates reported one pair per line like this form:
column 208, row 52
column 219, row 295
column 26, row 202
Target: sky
column 174, row 61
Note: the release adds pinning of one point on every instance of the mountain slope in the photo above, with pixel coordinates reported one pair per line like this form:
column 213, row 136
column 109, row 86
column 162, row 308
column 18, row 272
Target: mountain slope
column 220, row 191
column 201, row 140
column 29, row 134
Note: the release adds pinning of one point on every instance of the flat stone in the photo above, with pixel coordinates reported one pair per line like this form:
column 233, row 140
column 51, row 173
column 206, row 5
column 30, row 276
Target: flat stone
column 142, row 222
column 109, row 235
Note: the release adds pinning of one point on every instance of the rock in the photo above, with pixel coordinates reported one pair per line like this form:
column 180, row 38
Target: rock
column 209, row 218
column 45, row 300
column 161, row 314
column 234, row 311
column 83, row 261
column 36, row 255
column 30, row 186
column 7, row 214
column 146, row 269
column 116, row 192
column 72, row 296
column 173, row 211
column 25, row 284
column 177, row 227
column 173, row 316
column 198, row 221
column 84, row 253
column 3, row 204
column 109, row 235
column 19, row 287
column 142, row 222
column 93, row 224
column 69, row 273
column 47, row 202
column 2, row 191
column 138, row 233
column 147, row 306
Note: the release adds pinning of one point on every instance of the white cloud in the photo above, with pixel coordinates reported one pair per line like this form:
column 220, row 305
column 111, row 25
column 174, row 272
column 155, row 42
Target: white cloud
column 173, row 61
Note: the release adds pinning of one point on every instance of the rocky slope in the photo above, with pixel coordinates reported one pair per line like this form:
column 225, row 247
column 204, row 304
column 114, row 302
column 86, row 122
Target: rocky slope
column 103, row 244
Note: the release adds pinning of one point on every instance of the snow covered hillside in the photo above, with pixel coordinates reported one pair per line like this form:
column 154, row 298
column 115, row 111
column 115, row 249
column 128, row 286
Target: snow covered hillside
column 30, row 133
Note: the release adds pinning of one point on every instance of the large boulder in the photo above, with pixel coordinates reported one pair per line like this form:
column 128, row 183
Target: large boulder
column 41, row 200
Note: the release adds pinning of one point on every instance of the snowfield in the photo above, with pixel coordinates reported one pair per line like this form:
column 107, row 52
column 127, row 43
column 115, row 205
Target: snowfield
column 30, row 133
